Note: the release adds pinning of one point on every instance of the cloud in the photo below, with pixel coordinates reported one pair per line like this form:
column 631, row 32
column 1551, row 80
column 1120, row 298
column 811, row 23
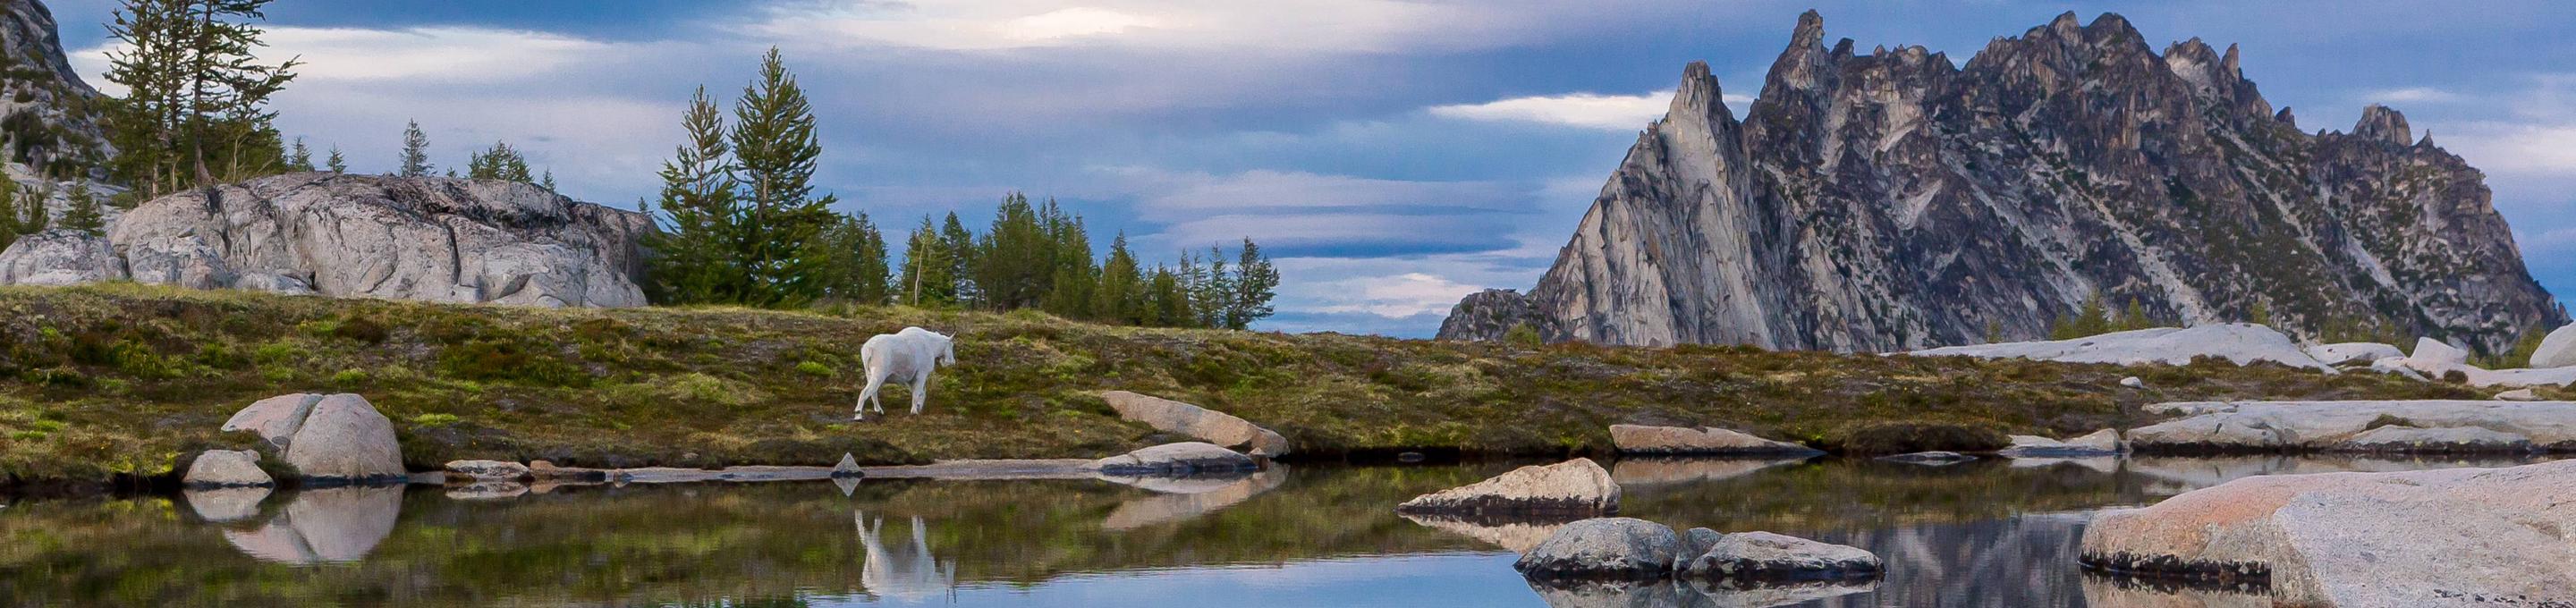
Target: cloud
column 410, row 56
column 1304, row 26
column 1587, row 110
column 1396, row 297
column 1259, row 189
column 2411, row 95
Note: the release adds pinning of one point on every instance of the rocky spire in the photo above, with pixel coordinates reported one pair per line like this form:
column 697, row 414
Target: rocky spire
column 1804, row 65
column 1699, row 94
column 2381, row 123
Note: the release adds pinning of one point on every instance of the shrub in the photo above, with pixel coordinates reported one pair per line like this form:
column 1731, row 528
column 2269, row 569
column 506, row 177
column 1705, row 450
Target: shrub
column 435, row 419
column 498, row 359
column 1908, row 437
column 814, row 368
column 1523, row 335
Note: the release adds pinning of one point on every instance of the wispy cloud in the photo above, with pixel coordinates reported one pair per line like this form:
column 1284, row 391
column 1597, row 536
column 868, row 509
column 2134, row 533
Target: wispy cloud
column 1587, row 110
column 2411, row 95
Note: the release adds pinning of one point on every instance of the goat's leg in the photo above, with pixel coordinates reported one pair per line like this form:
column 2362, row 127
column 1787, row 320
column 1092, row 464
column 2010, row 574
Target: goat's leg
column 920, row 391
column 860, row 411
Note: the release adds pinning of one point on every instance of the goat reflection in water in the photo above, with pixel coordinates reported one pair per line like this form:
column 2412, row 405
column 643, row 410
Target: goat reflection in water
column 911, row 574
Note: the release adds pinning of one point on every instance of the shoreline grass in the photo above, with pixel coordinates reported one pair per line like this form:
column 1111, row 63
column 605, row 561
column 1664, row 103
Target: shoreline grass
column 116, row 383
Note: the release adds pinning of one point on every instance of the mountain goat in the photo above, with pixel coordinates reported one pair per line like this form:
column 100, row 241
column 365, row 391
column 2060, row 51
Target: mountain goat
column 907, row 357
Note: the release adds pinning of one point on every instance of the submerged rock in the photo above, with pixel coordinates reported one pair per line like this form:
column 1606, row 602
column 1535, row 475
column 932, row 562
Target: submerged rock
column 1763, row 556
column 2416, row 538
column 1212, row 426
column 1603, row 548
column 226, row 468
column 1574, row 488
column 1185, row 458
column 1930, row 458
column 2105, row 442
column 1666, row 440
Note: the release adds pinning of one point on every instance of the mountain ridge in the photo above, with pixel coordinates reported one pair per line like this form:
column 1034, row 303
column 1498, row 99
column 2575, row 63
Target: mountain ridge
column 1894, row 201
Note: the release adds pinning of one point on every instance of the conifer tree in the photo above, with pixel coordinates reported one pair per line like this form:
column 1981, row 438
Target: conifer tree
column 195, row 111
column 1014, row 260
column 859, row 265
column 959, row 244
column 1115, row 298
column 548, row 182
column 1213, row 296
column 415, row 152
column 1256, row 283
column 21, row 213
column 499, row 162
column 300, row 158
column 81, row 212
column 929, row 277
column 336, row 164
column 775, row 148
column 693, row 252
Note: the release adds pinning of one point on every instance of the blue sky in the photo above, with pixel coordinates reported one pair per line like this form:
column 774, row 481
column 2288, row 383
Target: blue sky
column 1392, row 155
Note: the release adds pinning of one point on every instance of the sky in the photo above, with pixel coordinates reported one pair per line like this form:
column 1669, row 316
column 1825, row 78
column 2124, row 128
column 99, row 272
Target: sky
column 1391, row 156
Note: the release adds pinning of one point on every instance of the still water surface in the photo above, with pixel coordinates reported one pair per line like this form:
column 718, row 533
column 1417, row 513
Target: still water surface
column 1989, row 533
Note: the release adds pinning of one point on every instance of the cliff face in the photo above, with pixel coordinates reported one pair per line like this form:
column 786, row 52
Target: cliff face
column 1890, row 201
column 48, row 116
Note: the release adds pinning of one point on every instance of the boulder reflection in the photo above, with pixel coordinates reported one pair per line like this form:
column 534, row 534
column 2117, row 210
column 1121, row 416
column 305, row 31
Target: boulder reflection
column 1689, row 594
column 1186, row 498
column 318, row 526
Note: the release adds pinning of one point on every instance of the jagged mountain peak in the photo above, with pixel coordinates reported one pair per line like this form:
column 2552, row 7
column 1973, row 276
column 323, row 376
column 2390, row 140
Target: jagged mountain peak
column 2382, row 123
column 1889, row 202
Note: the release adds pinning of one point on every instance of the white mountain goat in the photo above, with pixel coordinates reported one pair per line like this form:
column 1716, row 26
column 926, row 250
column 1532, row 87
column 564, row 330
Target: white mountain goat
column 907, row 357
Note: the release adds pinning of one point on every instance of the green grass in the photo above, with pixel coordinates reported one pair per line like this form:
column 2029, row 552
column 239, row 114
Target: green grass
column 133, row 377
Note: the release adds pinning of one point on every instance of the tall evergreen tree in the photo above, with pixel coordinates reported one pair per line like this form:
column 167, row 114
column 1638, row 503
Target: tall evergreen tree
column 859, row 265
column 693, row 258
column 775, row 147
column 963, row 257
column 415, row 152
column 1214, row 295
column 336, row 164
column 929, row 276
column 1121, row 287
column 548, row 182
column 1069, row 292
column 195, row 111
column 1166, row 302
column 1256, row 282
column 1015, row 260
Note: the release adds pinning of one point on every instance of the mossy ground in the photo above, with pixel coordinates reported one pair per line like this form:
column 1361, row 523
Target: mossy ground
column 120, row 381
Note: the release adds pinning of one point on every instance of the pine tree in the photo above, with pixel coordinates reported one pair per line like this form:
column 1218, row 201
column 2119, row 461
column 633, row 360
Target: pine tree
column 82, row 212
column 1256, row 282
column 336, row 164
column 959, row 244
column 499, row 162
column 21, row 213
column 693, row 261
column 859, row 265
column 1214, row 297
column 1120, row 289
column 415, row 152
column 195, row 112
column 301, row 159
column 929, row 277
column 774, row 149
column 548, row 182
column 1166, row 303
column 1014, row 259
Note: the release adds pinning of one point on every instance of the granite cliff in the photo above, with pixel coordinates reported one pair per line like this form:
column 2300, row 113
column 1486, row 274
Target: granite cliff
column 1892, row 200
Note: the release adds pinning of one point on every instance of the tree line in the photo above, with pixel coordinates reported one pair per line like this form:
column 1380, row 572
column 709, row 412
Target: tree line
column 742, row 224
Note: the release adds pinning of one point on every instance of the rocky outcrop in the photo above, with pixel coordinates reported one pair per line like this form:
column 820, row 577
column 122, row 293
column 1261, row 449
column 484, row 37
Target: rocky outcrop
column 1667, row 440
column 2352, row 353
column 2558, row 349
column 2239, row 343
column 1571, row 489
column 2420, row 538
column 1197, row 422
column 47, row 114
column 1603, row 548
column 1895, row 200
column 410, row 238
column 2420, row 426
column 1185, row 458
column 1489, row 315
column 327, row 438
column 225, row 469
column 56, row 258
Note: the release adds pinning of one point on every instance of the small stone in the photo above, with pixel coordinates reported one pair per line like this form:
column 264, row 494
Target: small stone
column 226, row 469
column 2133, row 382
column 849, row 467
column 1775, row 557
column 1185, row 458
column 1574, row 488
column 2519, row 394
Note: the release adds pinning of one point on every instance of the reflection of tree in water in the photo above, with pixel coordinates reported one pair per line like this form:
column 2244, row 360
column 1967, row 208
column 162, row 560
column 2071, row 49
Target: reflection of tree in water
column 904, row 572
